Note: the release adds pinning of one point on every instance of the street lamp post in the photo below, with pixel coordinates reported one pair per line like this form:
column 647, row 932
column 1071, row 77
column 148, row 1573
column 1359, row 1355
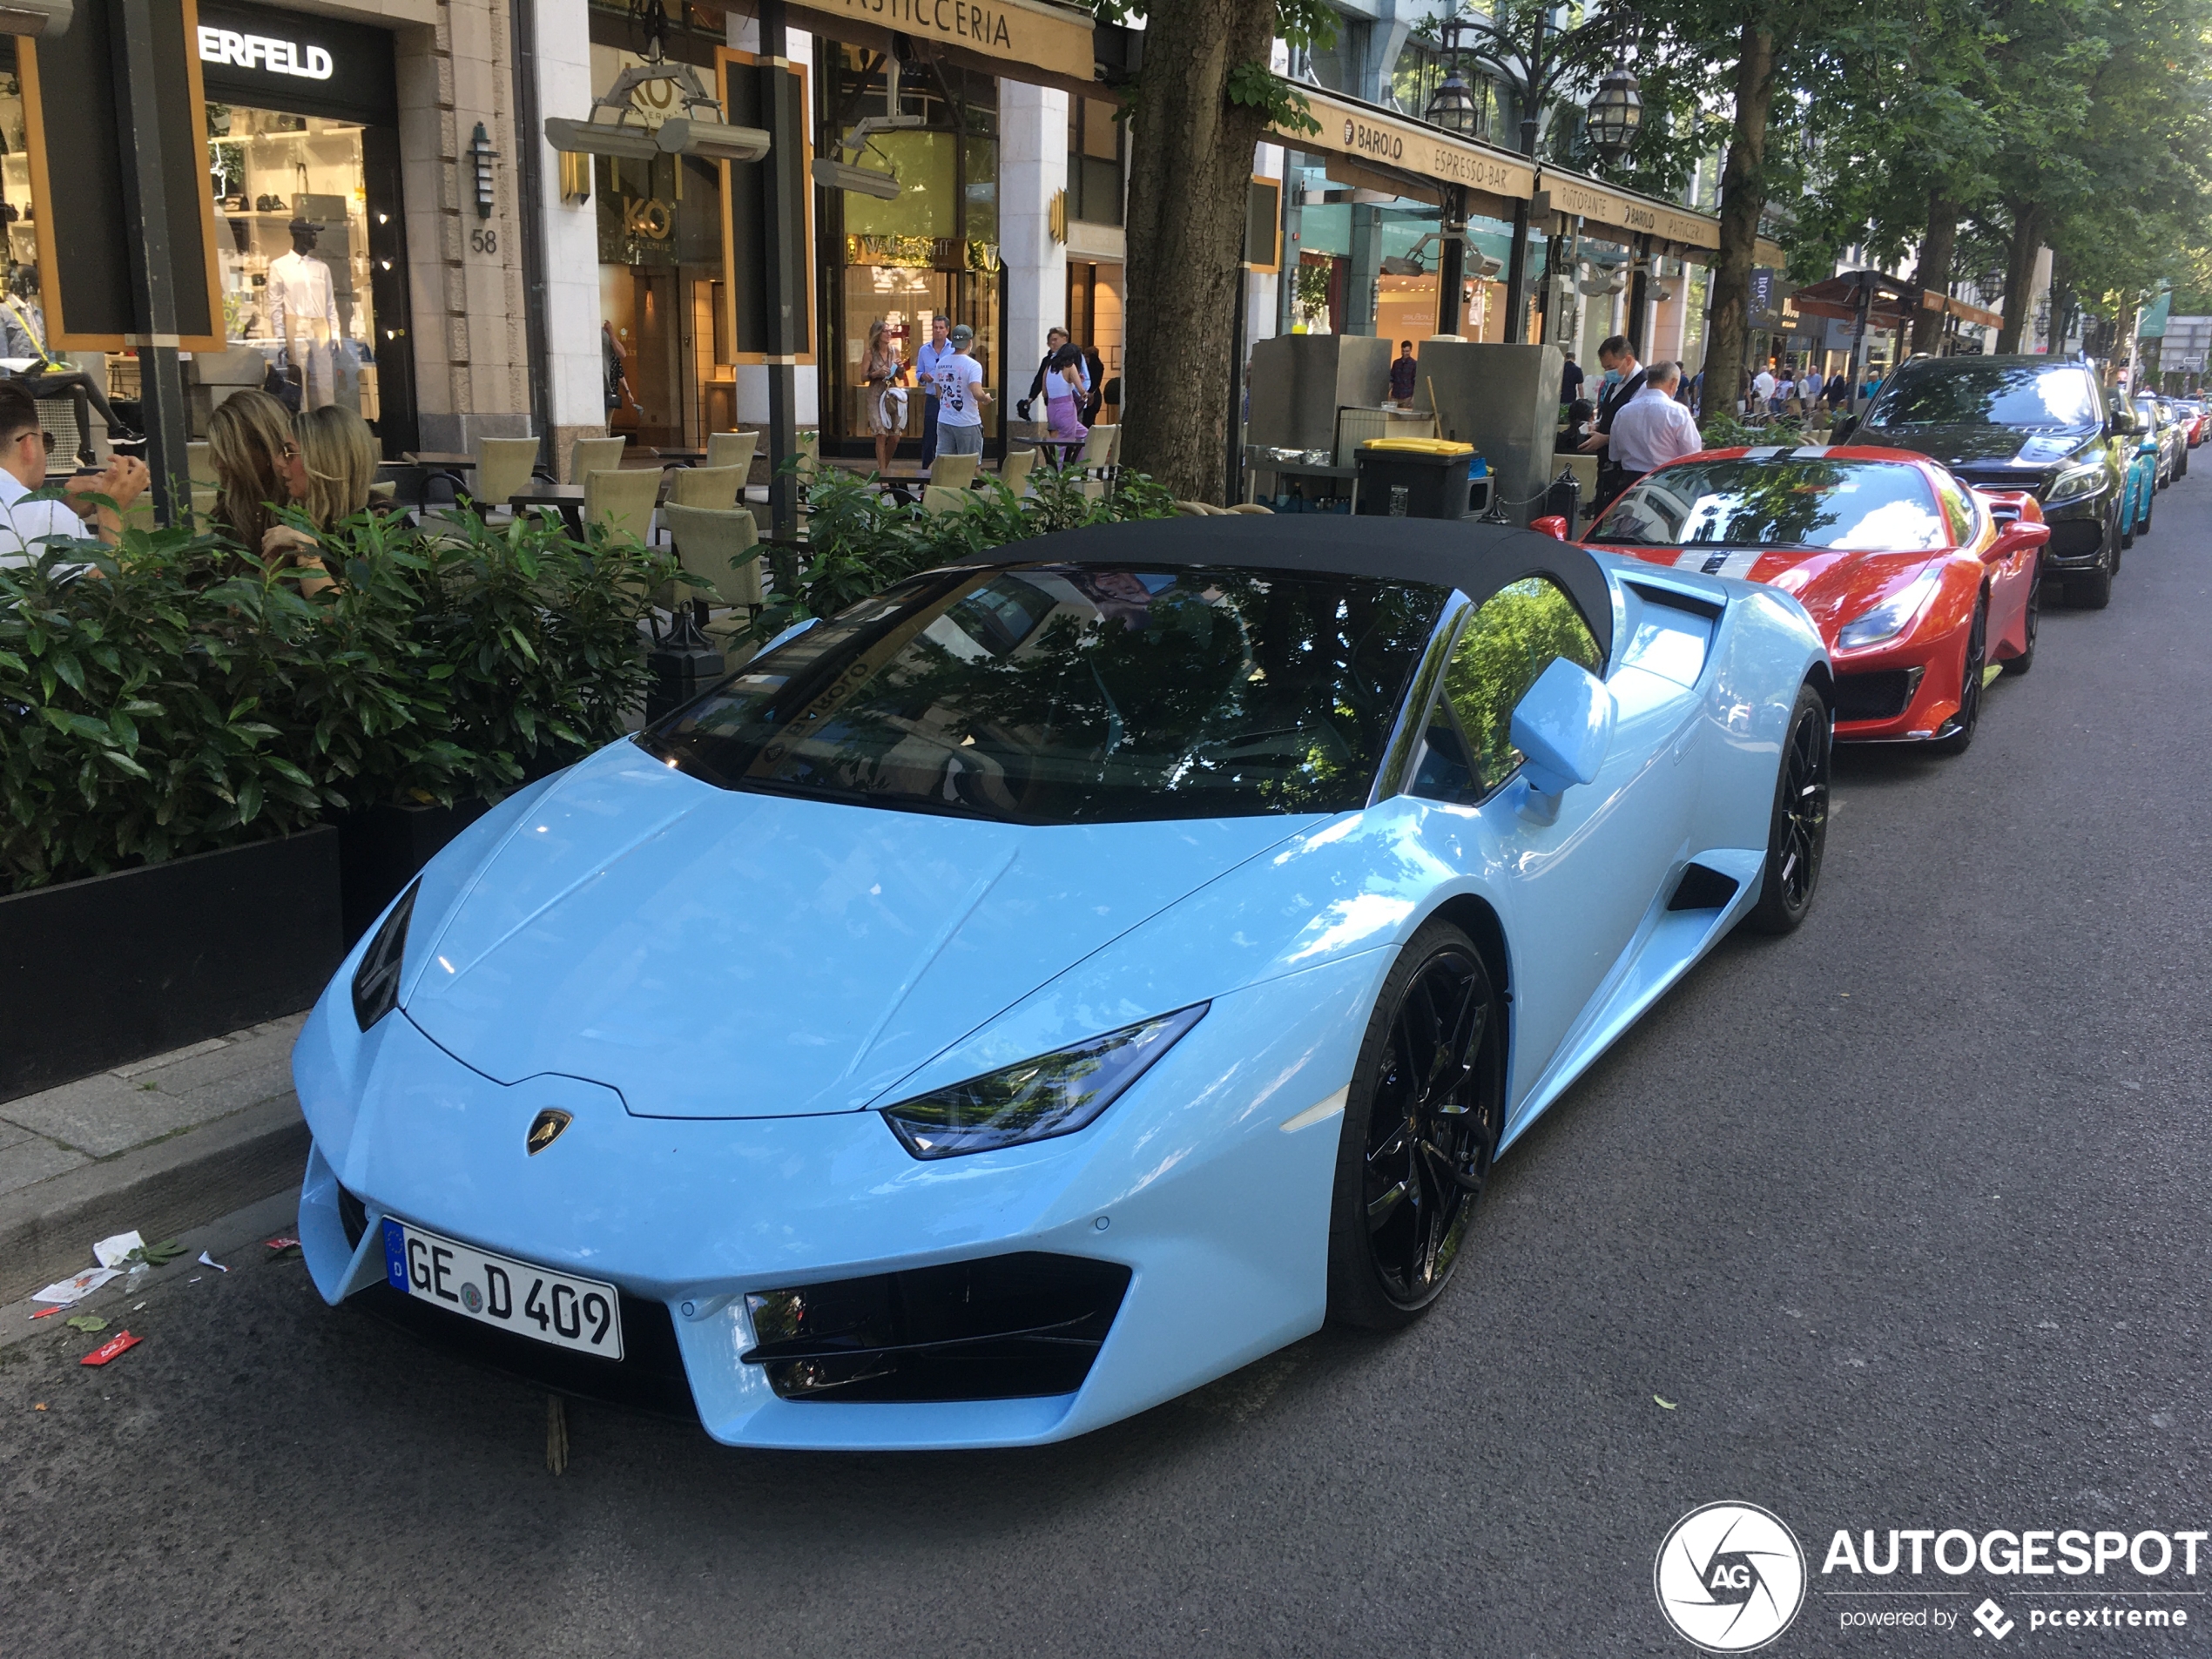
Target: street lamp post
column 1453, row 108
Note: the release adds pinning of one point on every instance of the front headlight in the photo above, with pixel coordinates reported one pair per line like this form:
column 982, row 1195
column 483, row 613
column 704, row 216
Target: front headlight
column 2075, row 481
column 1054, row 1093
column 1891, row 616
column 376, row 981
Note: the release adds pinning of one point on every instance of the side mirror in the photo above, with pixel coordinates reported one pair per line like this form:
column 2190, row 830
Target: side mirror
column 2016, row 538
column 1551, row 524
column 1563, row 725
column 1843, row 426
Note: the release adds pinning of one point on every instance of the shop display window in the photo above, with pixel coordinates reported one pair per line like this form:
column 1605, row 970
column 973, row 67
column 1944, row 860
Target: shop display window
column 292, row 252
column 21, row 326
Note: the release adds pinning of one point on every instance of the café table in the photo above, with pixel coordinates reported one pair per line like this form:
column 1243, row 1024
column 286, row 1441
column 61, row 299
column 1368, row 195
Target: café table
column 568, row 499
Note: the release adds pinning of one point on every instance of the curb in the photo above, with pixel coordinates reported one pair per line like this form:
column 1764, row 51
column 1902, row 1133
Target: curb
column 46, row 1230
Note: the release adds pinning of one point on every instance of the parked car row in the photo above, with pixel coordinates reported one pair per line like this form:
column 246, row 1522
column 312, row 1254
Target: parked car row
column 1923, row 548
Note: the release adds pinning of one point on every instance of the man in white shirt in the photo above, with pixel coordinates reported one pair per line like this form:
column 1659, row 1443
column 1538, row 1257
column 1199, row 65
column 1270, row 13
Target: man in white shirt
column 957, row 382
column 25, row 524
column 1653, row 430
column 1809, row 385
column 1762, row 385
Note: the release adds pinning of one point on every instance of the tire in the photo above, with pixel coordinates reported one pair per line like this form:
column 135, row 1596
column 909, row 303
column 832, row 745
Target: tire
column 1797, row 828
column 2090, row 592
column 1959, row 735
column 2142, row 525
column 1421, row 1123
column 2026, row 660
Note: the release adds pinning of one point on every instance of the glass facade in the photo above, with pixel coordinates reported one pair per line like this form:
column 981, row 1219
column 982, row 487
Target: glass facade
column 931, row 252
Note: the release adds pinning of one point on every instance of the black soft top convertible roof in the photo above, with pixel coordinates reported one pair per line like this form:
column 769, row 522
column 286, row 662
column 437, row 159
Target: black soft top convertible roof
column 1476, row 558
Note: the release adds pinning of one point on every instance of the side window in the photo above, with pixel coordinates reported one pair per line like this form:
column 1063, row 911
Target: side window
column 1467, row 750
column 1958, row 511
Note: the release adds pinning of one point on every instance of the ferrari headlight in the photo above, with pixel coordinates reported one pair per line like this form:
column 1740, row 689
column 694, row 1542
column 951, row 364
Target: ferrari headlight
column 1054, row 1093
column 376, row 981
column 2075, row 481
column 1891, row 617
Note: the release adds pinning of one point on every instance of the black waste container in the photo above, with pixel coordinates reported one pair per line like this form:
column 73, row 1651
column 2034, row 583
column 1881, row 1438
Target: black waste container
column 1413, row 478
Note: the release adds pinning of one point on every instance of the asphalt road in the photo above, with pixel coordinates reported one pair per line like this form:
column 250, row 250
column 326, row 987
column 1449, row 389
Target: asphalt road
column 1905, row 1216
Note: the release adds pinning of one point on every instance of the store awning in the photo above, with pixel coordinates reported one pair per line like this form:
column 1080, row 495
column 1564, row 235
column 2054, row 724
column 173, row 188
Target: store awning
column 1891, row 302
column 1387, row 143
column 1024, row 40
column 1684, row 232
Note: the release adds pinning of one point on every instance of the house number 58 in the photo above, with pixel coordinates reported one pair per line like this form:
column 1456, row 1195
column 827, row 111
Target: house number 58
column 484, row 241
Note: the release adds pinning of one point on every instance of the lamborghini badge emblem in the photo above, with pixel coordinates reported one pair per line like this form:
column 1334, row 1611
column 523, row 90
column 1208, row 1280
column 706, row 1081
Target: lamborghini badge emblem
column 546, row 1127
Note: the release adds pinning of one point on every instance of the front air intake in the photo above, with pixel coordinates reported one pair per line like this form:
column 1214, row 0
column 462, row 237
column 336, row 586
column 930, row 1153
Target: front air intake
column 1005, row 1327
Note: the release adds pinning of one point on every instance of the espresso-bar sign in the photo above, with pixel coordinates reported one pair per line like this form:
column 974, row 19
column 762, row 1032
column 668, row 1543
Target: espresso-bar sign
column 1410, row 147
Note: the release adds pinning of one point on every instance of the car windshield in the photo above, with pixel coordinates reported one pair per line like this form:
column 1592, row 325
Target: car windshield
column 1069, row 694
column 2043, row 397
column 1866, row 506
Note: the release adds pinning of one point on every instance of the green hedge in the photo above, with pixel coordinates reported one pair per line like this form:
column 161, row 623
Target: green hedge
column 181, row 697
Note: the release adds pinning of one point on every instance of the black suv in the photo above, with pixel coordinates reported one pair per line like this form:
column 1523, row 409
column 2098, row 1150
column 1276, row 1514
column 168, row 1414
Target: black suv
column 2044, row 424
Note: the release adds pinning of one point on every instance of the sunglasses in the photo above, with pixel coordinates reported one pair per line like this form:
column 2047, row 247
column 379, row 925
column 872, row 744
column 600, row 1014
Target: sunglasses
column 46, row 438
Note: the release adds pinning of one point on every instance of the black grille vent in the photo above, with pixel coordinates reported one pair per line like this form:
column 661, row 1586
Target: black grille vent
column 1880, row 696
column 1005, row 1327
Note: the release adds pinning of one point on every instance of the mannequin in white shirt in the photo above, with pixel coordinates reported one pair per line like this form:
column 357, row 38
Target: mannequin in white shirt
column 303, row 313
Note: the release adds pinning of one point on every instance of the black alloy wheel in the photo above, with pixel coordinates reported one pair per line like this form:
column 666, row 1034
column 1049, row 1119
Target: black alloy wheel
column 1797, row 834
column 1958, row 735
column 1421, row 1126
column 2026, row 660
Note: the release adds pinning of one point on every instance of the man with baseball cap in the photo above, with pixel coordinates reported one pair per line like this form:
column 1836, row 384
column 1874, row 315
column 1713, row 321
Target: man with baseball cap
column 957, row 378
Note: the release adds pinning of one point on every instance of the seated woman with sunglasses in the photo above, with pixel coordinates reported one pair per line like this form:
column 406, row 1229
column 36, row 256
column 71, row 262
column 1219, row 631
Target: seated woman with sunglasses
column 329, row 464
column 25, row 525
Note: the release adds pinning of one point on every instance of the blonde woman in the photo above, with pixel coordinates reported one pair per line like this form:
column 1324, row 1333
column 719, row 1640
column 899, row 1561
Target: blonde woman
column 329, row 465
column 250, row 446
column 883, row 371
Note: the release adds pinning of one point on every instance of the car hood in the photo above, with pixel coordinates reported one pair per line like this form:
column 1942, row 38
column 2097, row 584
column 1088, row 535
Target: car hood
column 710, row 953
column 1833, row 587
column 1974, row 445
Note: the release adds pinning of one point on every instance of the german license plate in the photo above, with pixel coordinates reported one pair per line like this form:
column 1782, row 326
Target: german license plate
column 545, row 1306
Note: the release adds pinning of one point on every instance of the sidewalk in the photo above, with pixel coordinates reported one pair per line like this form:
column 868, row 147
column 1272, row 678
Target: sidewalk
column 162, row 1145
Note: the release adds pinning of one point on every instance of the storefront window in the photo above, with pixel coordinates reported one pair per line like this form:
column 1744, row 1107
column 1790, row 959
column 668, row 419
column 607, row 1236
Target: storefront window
column 1093, row 162
column 21, row 325
column 292, row 250
column 665, row 351
column 931, row 251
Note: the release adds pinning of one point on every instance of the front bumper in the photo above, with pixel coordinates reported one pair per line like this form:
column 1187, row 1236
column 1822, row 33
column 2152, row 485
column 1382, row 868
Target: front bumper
column 1902, row 693
column 1188, row 1183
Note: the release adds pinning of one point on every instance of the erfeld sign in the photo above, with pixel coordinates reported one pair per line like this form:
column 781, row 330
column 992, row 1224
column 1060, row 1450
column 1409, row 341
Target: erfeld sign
column 1054, row 38
column 1354, row 130
column 264, row 52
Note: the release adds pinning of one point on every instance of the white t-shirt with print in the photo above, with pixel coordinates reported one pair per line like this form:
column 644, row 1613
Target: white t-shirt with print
column 955, row 380
column 24, row 524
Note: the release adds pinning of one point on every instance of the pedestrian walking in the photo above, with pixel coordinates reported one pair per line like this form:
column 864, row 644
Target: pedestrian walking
column 1570, row 381
column 1762, row 385
column 1094, row 384
column 1624, row 378
column 938, row 347
column 885, row 376
column 958, row 379
column 1810, row 385
column 1064, row 391
column 1652, row 428
column 1056, row 340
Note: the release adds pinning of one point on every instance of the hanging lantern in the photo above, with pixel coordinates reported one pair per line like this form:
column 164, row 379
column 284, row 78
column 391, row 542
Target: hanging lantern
column 1453, row 107
column 1616, row 115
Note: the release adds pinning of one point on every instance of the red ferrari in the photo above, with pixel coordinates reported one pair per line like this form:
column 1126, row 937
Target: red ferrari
column 1917, row 582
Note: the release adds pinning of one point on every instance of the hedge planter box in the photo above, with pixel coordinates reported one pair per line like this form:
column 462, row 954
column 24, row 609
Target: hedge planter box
column 380, row 850
column 99, row 973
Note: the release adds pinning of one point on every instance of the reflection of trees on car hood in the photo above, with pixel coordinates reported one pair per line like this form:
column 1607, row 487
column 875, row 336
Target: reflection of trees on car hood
column 1801, row 501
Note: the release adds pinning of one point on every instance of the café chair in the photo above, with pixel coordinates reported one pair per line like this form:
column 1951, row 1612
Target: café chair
column 620, row 500
column 705, row 486
column 732, row 449
column 718, row 552
column 953, row 472
column 594, row 455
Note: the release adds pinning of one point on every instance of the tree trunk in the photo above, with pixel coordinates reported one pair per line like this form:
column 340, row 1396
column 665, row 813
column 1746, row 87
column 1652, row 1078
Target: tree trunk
column 1742, row 199
column 1933, row 272
column 1191, row 164
column 2019, row 272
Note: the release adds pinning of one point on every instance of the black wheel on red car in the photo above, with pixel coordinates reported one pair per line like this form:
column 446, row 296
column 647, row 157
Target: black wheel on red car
column 1959, row 732
column 1797, row 832
column 2026, row 660
column 1421, row 1126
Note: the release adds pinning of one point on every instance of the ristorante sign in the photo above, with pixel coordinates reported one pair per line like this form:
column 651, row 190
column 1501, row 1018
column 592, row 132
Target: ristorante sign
column 1354, row 130
column 1637, row 215
column 1054, row 38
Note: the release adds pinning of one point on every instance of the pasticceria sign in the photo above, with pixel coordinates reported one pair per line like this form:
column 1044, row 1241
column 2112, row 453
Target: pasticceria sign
column 1055, row 38
column 923, row 253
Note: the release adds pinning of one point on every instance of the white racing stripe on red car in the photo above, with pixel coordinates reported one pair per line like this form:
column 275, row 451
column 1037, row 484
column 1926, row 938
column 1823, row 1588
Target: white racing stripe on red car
column 1737, row 563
